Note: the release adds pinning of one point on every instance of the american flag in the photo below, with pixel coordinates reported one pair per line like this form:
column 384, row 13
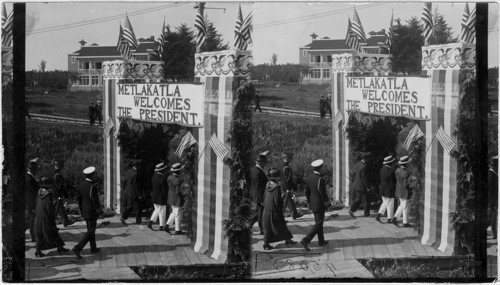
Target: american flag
column 350, row 39
column 388, row 41
column 464, row 34
column 218, row 147
column 414, row 134
column 246, row 31
column 187, row 141
column 122, row 45
column 337, row 119
column 357, row 28
column 238, row 37
column 427, row 19
column 161, row 40
column 6, row 26
column 445, row 140
column 471, row 24
column 128, row 34
column 200, row 25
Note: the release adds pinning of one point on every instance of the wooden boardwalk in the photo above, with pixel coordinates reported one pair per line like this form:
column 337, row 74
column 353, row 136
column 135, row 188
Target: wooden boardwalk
column 121, row 247
column 349, row 239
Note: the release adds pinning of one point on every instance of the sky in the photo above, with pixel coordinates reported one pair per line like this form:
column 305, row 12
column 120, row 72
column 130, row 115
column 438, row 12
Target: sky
column 55, row 28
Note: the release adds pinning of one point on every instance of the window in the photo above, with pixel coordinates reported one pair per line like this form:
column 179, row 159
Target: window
column 326, row 73
column 98, row 65
column 318, row 58
column 95, row 80
column 72, row 59
column 329, row 58
column 86, row 65
column 84, row 80
column 304, row 53
column 311, row 58
column 315, row 73
column 80, row 65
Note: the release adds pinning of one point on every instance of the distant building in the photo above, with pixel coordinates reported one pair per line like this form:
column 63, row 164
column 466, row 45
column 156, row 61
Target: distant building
column 87, row 61
column 318, row 54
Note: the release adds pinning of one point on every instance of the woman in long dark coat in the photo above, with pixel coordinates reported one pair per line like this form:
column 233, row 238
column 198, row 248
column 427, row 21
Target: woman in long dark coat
column 273, row 220
column 46, row 232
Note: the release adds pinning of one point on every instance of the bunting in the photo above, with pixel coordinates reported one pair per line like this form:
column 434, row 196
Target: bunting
column 200, row 26
column 7, row 21
column 388, row 41
column 122, row 45
column 427, row 19
column 337, row 119
column 187, row 141
column 445, row 140
column 218, row 147
column 129, row 35
column 414, row 134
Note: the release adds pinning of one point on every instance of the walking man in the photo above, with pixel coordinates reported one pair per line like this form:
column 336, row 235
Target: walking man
column 133, row 193
column 361, row 186
column 387, row 189
column 98, row 112
column 91, row 113
column 257, row 102
column 32, row 188
column 402, row 192
column 159, row 196
column 60, row 194
column 90, row 208
column 493, row 195
column 329, row 104
column 316, row 197
column 322, row 106
column 288, row 185
column 258, row 182
column 175, row 198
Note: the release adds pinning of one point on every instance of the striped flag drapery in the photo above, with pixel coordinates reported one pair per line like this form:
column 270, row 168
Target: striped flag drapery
column 237, row 28
column 129, row 35
column 187, row 141
column 350, row 39
column 388, row 41
column 464, row 33
column 414, row 134
column 337, row 119
column 427, row 19
column 200, row 26
column 7, row 21
column 218, row 147
column 161, row 40
column 445, row 140
column 122, row 45
column 357, row 28
column 471, row 25
column 243, row 31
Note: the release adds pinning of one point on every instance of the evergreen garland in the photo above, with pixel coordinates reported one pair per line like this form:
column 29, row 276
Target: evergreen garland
column 463, row 220
column 416, row 181
column 240, row 136
column 189, row 186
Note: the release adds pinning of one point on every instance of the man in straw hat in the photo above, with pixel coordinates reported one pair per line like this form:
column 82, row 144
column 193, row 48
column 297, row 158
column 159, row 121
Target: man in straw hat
column 90, row 208
column 32, row 188
column 258, row 181
column 288, row 185
column 402, row 191
column 387, row 188
column 159, row 196
column 133, row 194
column 359, row 179
column 493, row 195
column 175, row 199
column 317, row 198
column 60, row 193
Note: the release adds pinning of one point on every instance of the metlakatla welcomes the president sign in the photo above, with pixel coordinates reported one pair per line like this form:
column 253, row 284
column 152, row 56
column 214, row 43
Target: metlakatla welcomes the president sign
column 181, row 104
column 408, row 97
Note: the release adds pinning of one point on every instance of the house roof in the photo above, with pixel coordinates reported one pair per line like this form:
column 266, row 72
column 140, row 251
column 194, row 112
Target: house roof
column 374, row 40
column 328, row 44
column 111, row 50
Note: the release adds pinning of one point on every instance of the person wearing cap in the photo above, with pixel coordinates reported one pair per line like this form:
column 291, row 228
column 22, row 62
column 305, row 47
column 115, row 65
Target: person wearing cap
column 288, row 185
column 91, row 113
column 273, row 220
column 159, row 196
column 360, row 186
column 322, row 106
column 493, row 195
column 46, row 232
column 402, row 191
column 90, row 208
column 316, row 197
column 258, row 182
column 133, row 194
column 98, row 112
column 387, row 188
column 60, row 193
column 32, row 188
column 175, row 199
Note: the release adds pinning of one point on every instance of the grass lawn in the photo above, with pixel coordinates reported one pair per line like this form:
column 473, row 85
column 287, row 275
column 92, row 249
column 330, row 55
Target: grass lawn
column 290, row 97
column 63, row 103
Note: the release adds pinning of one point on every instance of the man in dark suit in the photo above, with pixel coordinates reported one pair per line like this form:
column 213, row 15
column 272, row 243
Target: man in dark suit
column 493, row 195
column 159, row 197
column 258, row 181
column 361, row 187
column 316, row 197
column 175, row 198
column 90, row 208
column 32, row 188
column 133, row 193
column 288, row 185
column 387, row 188
column 60, row 193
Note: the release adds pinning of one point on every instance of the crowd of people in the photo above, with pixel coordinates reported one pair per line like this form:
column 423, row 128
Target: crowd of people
column 95, row 113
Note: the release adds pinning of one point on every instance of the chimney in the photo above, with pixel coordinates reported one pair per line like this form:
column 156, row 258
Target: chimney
column 152, row 38
column 82, row 43
column 313, row 36
column 383, row 31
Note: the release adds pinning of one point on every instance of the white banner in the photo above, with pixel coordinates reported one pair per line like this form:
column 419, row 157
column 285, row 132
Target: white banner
column 408, row 97
column 181, row 104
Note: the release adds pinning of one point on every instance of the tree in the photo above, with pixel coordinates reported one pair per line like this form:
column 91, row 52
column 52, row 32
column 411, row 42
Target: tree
column 42, row 65
column 214, row 40
column 442, row 32
column 406, row 47
column 274, row 58
column 72, row 78
column 304, row 72
column 178, row 53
